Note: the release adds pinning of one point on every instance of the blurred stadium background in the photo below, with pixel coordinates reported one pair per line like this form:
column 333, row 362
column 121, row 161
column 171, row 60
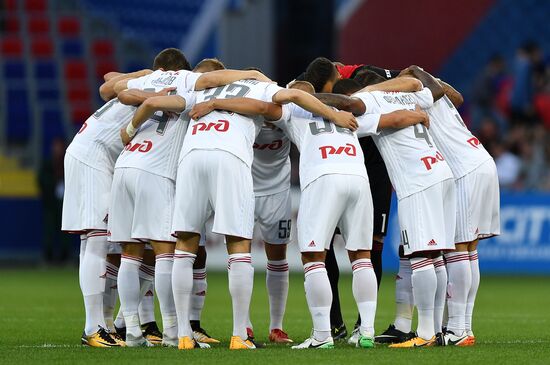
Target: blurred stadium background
column 53, row 54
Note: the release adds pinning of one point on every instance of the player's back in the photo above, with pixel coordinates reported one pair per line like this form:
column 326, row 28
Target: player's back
column 157, row 144
column 271, row 166
column 231, row 132
column 461, row 149
column 324, row 147
column 410, row 155
column 98, row 143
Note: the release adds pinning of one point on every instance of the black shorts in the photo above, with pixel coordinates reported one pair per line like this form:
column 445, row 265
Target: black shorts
column 380, row 185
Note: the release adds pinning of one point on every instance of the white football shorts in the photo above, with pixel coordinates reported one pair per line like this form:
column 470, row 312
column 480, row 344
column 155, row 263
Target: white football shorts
column 427, row 218
column 478, row 204
column 142, row 205
column 214, row 182
column 273, row 215
column 331, row 201
column 86, row 198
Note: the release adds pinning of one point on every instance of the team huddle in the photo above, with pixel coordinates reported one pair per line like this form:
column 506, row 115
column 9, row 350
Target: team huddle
column 173, row 148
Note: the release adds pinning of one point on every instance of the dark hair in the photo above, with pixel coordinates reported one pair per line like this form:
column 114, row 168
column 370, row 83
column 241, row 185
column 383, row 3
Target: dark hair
column 367, row 77
column 171, row 59
column 320, row 71
column 210, row 64
column 346, row 87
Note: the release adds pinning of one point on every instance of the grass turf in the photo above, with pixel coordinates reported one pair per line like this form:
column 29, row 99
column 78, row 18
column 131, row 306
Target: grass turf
column 41, row 318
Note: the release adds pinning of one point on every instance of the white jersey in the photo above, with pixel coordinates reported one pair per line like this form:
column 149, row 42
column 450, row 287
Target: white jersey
column 97, row 143
column 230, row 132
column 411, row 157
column 461, row 149
column 271, row 166
column 324, row 147
column 157, row 144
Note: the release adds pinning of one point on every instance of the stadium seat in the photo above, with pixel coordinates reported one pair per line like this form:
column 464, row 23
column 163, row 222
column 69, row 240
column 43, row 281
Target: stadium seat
column 68, row 26
column 14, row 70
column 45, row 70
column 10, row 5
column 38, row 25
column 12, row 46
column 18, row 115
column 11, row 24
column 78, row 94
column 72, row 48
column 103, row 67
column 35, row 5
column 52, row 121
column 75, row 70
column 80, row 113
column 42, row 47
column 48, row 93
column 103, row 48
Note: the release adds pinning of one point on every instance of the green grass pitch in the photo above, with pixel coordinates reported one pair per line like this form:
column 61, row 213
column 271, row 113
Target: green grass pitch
column 41, row 318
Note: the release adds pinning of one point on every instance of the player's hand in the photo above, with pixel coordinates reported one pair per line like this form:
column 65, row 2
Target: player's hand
column 201, row 109
column 125, row 137
column 166, row 91
column 261, row 77
column 425, row 117
column 345, row 120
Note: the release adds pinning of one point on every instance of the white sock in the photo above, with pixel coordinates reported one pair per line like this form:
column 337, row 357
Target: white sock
column 146, row 309
column 424, row 282
column 119, row 320
column 129, row 292
column 241, row 282
column 404, row 301
column 277, row 288
column 93, row 270
column 440, row 294
column 319, row 298
column 83, row 241
column 110, row 296
column 365, row 290
column 460, row 281
column 163, row 284
column 182, row 288
column 199, row 294
column 474, row 266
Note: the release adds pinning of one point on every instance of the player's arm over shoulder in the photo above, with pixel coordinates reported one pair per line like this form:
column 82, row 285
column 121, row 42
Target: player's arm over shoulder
column 224, row 77
column 454, row 95
column 109, row 90
column 244, row 106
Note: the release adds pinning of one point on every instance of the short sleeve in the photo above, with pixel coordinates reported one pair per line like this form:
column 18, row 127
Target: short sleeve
column 138, row 83
column 424, row 98
column 270, row 90
column 368, row 125
column 285, row 116
column 371, row 105
column 190, row 99
column 187, row 81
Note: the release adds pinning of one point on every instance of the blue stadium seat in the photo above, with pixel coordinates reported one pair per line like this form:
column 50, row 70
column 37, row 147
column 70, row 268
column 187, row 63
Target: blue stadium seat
column 48, row 93
column 72, row 48
column 18, row 118
column 52, row 122
column 14, row 70
column 45, row 70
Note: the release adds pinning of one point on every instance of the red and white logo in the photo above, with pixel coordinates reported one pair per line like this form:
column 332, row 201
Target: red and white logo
column 311, row 244
column 474, row 142
column 432, row 243
column 220, row 126
column 143, row 147
column 429, row 161
column 275, row 145
column 348, row 149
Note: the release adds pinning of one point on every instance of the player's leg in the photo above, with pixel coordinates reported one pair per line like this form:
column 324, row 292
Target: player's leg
column 164, row 262
column 423, row 231
column 472, row 293
column 129, row 291
column 111, row 289
column 191, row 210
column 273, row 215
column 200, row 287
column 146, row 309
column 241, row 280
column 356, row 225
column 337, row 325
column 440, row 294
column 317, row 220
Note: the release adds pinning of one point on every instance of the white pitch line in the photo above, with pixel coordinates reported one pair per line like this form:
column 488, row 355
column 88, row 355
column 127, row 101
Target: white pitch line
column 49, row 345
